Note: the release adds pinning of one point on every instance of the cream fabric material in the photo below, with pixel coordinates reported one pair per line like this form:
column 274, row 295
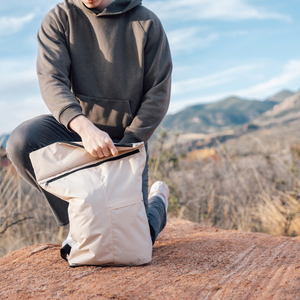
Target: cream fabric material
column 108, row 221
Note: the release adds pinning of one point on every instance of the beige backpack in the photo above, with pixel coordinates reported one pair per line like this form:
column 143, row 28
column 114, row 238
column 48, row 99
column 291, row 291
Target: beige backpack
column 108, row 221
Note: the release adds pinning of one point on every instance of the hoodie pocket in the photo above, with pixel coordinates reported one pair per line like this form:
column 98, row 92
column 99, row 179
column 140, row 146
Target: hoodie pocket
column 109, row 115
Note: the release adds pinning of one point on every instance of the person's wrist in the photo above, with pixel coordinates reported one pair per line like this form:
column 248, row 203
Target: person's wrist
column 79, row 124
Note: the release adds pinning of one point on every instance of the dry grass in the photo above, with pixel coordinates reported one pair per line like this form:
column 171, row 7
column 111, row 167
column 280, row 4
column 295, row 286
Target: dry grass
column 25, row 217
column 258, row 191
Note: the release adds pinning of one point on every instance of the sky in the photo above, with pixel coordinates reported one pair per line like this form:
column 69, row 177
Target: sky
column 220, row 48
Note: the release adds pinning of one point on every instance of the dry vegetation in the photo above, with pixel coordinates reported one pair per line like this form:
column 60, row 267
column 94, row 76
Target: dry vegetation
column 248, row 184
column 25, row 217
column 253, row 186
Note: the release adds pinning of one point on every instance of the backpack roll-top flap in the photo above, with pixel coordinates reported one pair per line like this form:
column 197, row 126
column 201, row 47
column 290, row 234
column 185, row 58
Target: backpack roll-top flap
column 61, row 157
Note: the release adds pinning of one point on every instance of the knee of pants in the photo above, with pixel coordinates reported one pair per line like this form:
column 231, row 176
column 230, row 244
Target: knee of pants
column 18, row 143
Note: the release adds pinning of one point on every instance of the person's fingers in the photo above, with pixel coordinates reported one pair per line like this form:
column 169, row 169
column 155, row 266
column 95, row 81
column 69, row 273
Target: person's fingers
column 99, row 145
column 93, row 153
column 112, row 148
column 106, row 151
column 100, row 153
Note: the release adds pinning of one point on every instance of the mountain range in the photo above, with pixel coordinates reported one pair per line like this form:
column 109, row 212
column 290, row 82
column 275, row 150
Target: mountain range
column 288, row 109
column 280, row 96
column 234, row 111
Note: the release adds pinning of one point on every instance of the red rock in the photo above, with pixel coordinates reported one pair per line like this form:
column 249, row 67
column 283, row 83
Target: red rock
column 190, row 261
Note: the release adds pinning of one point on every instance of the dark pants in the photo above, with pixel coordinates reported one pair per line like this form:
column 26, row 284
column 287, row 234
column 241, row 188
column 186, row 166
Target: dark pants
column 45, row 130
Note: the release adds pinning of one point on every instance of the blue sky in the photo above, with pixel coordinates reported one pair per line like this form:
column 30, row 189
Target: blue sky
column 248, row 48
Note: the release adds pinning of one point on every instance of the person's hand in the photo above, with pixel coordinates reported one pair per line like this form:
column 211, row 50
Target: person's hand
column 95, row 141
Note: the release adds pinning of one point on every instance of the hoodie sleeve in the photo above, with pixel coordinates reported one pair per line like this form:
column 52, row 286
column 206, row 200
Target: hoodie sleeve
column 157, row 84
column 53, row 69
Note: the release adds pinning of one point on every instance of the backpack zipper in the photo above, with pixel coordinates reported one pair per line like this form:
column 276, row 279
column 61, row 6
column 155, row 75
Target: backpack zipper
column 127, row 145
column 93, row 165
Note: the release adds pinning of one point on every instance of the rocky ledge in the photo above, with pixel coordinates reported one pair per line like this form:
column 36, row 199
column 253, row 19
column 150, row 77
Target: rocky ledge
column 190, row 261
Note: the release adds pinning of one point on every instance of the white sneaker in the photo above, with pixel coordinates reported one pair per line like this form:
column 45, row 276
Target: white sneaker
column 160, row 189
column 68, row 241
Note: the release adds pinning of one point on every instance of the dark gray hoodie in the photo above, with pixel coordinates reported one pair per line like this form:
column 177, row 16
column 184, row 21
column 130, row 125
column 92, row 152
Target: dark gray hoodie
column 114, row 67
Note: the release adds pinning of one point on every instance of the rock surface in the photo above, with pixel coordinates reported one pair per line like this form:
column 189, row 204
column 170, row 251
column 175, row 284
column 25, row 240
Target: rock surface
column 190, row 261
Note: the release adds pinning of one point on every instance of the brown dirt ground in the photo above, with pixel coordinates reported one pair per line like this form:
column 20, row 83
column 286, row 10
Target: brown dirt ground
column 190, row 261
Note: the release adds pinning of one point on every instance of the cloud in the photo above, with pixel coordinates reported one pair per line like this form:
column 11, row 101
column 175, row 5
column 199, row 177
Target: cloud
column 16, row 73
column 290, row 74
column 20, row 97
column 189, row 39
column 213, row 80
column 18, row 6
column 227, row 10
column 20, row 111
column 10, row 25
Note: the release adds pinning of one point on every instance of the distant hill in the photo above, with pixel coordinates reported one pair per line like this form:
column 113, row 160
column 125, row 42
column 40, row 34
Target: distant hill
column 206, row 118
column 285, row 111
column 280, row 96
column 288, row 105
